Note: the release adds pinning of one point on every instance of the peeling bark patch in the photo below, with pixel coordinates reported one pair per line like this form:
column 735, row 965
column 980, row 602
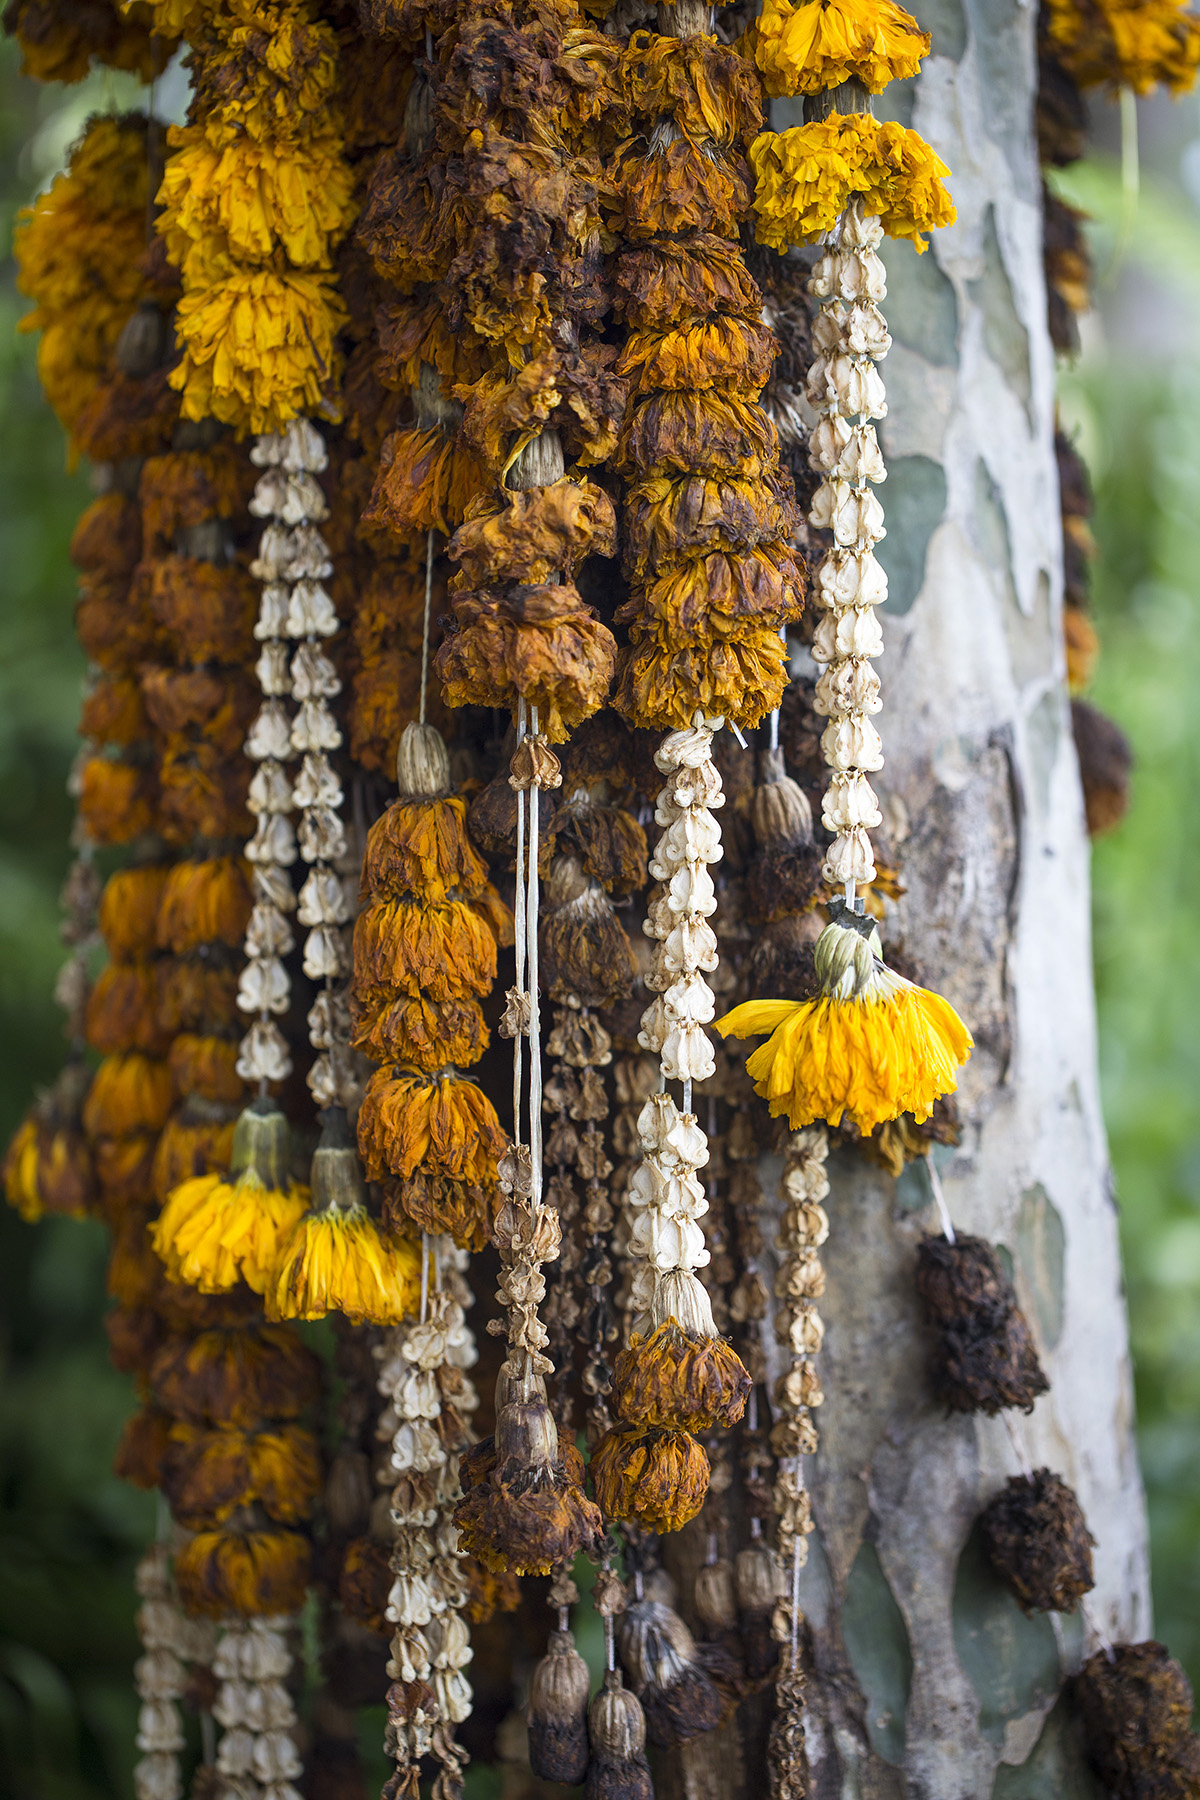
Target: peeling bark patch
column 877, row 1644
column 991, row 533
column 916, row 502
column 1045, row 730
column 1011, row 1661
column 922, row 308
column 1054, row 1768
column 1004, row 333
column 946, row 23
column 1041, row 1252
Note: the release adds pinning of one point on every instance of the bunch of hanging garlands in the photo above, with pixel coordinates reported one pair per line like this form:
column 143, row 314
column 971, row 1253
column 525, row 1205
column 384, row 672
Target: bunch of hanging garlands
column 466, row 434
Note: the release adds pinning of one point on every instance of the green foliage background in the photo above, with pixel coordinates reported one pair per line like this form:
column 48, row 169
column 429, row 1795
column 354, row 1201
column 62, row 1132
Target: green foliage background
column 69, row 1532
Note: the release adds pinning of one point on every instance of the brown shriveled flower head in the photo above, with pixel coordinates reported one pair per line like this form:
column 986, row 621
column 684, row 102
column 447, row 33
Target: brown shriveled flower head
column 608, row 842
column 530, row 535
column 113, row 712
column 425, row 482
column 128, row 416
column 724, row 433
column 540, row 643
column 140, row 1454
column 208, row 1475
column 116, row 800
column 1105, row 763
column 666, row 189
column 710, row 93
column 205, row 902
column 188, row 1148
column 122, row 1011
column 1037, row 1541
column 669, row 519
column 1135, row 1704
column 208, row 609
column 197, row 992
column 660, row 1656
column 527, row 1521
column 114, row 623
column 440, row 1125
column 443, row 951
column 237, row 1378
column 742, row 682
column 679, row 1383
column 984, row 1355
column 365, row 1581
column 421, row 847
column 722, row 595
column 107, row 539
column 427, row 1034
column 657, row 1477
column 703, row 276
column 256, row 1573
column 585, row 951
column 129, row 1094
column 720, row 352
column 206, row 1067
column 488, row 1592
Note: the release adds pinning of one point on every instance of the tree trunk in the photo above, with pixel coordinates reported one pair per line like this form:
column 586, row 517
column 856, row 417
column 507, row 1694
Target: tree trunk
column 928, row 1680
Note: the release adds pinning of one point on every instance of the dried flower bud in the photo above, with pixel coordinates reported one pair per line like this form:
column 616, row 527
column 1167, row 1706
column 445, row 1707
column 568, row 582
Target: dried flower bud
column 557, row 1713
column 422, row 764
column 781, row 813
column 715, row 1600
column 526, row 1434
column 142, row 341
column 1037, row 1541
column 659, row 1652
column 534, row 764
column 617, row 1769
column 985, row 1358
column 1135, row 1704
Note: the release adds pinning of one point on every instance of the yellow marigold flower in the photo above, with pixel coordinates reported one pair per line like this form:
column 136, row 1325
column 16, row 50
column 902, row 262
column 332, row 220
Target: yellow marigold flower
column 807, row 176
column 214, row 1231
column 21, row 1172
column 1126, row 43
column 171, row 18
column 259, row 349
column 871, row 1046
column 820, row 43
column 335, row 1259
column 225, row 196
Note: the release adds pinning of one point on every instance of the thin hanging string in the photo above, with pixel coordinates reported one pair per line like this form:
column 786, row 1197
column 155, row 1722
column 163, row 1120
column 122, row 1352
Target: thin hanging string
column 424, row 1276
column 425, row 626
column 519, row 932
column 935, row 1183
column 535, row 1020
column 1130, row 186
column 1018, row 1448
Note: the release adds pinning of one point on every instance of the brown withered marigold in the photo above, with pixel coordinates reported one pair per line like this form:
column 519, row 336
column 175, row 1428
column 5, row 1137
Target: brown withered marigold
column 127, row 416
column 108, row 535
column 237, row 1378
column 422, row 847
column 116, row 800
column 412, row 331
column 124, row 1169
column 584, row 949
column 444, row 951
column 716, row 431
column 527, row 1521
column 209, row 609
column 206, row 1066
column 208, row 1475
column 205, row 901
column 426, row 1033
column 724, row 594
column 607, row 842
column 140, row 1454
column 196, row 993
column 701, row 353
column 440, row 1124
column 540, row 643
column 217, row 705
column 530, row 535
column 113, row 712
column 48, row 1165
column 664, row 189
column 128, row 913
column 115, row 626
column 702, row 276
column 669, row 518
column 201, row 794
column 122, row 1011
column 365, row 1581
column 710, row 93
column 487, row 1592
column 407, row 224
column 189, row 487
column 255, row 1573
column 679, row 1382
column 741, row 681
column 425, row 481
column 463, row 1210
column 129, row 1093
column 190, row 1146
column 659, row 1478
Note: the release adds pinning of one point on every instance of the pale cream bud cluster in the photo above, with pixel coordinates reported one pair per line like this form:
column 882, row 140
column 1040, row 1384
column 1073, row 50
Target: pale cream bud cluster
column 846, row 391
column 170, row 1641
column 257, row 1753
column 799, row 1283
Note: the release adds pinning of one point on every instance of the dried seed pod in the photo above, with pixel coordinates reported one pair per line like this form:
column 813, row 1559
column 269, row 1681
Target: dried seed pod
column 558, row 1713
column 1037, row 1541
column 760, row 1585
column 659, row 1653
column 985, row 1358
column 781, row 813
column 715, row 1597
column 617, row 1767
column 1135, row 1704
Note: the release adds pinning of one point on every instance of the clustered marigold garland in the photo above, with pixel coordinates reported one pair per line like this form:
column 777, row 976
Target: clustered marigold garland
column 499, row 254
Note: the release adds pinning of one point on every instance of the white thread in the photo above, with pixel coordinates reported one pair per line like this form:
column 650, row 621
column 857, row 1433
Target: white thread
column 1015, row 1441
column 519, row 932
column 424, row 1276
column 535, row 1022
column 425, row 628
column 935, row 1183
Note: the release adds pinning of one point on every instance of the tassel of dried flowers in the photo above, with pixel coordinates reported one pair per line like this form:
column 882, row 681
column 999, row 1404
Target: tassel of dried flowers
column 425, row 948
column 60, row 45
column 800, row 1282
column 169, row 1643
column 676, row 1376
column 422, row 1373
column 871, row 1045
column 708, row 511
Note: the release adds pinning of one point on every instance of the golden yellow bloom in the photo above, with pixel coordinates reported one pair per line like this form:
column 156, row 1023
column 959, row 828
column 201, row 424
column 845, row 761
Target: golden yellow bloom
column 807, row 176
column 422, row 847
column 818, row 44
column 229, row 197
column 259, row 349
column 871, row 1046
column 1126, row 43
column 659, row 1478
column 679, row 1382
column 336, row 1261
column 20, row 1172
column 214, row 1230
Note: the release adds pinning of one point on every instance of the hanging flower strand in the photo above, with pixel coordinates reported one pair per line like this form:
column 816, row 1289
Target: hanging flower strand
column 871, row 1045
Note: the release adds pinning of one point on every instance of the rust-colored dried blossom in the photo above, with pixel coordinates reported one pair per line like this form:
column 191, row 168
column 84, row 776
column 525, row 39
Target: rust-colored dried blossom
column 412, row 331
column 113, row 713
column 540, row 643
column 134, row 1338
column 658, row 286
column 47, row 1167
column 129, row 1093
column 58, row 42
column 190, row 1148
column 373, row 84
column 116, row 800
column 465, row 1211
column 208, row 608
column 488, row 1592
column 205, row 901
column 714, row 430
column 140, row 1453
column 440, row 1125
column 584, row 949
column 188, row 487
column 209, row 1474
column 255, row 1573
column 217, row 704
column 128, row 912
column 206, row 1066
column 201, row 794
column 127, row 416
column 720, row 596
column 407, row 226
column 669, row 188
column 372, row 413
column 123, row 1167
column 365, row 1581
column 508, row 71
column 527, row 1521
column 667, row 519
column 122, row 1011
column 608, row 843
column 442, row 951
column 679, row 1382
column 710, row 93
column 196, row 993
column 116, row 627
column 134, row 1272
column 425, row 482
column 659, row 1478
column 108, row 535
column 701, row 353
column 422, row 847
column 742, row 681
column 531, row 535
column 426, row 1033
column 237, row 1378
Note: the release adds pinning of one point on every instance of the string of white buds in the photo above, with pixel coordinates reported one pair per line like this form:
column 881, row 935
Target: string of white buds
column 665, row 1193
column 846, row 390
column 421, row 1368
column 257, row 1752
column 169, row 1642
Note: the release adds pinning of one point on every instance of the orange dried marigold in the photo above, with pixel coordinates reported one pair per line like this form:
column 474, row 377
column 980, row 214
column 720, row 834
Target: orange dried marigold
column 700, row 276
column 669, row 189
column 709, row 92
column 440, row 1125
column 205, row 901
column 701, row 353
column 425, row 481
column 537, row 643
column 670, row 518
column 236, row 1377
column 422, row 847
column 255, row 1573
column 208, row 1475
column 659, row 1478
column 116, row 800
column 443, row 952
column 741, row 680
column 718, row 596
column 128, row 913
column 129, row 1094
column 679, row 1382
column 717, row 431
column 206, row 1066
column 122, row 1011
column 530, row 535
column 426, row 1033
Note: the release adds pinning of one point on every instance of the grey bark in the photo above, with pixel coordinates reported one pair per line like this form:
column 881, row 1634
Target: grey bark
column 928, row 1680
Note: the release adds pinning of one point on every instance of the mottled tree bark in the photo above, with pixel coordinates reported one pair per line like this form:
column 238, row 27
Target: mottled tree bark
column 927, row 1680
